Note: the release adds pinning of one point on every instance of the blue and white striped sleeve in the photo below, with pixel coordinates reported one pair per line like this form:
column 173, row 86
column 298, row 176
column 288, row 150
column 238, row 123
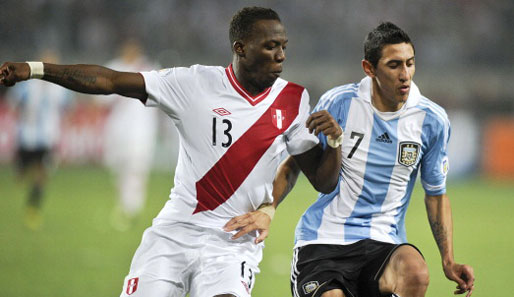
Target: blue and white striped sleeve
column 434, row 164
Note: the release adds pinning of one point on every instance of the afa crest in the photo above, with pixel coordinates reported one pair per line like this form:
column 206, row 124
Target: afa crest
column 408, row 153
column 309, row 287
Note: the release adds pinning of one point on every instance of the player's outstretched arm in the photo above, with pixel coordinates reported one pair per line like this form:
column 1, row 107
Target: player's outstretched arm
column 260, row 219
column 322, row 166
column 89, row 79
column 440, row 218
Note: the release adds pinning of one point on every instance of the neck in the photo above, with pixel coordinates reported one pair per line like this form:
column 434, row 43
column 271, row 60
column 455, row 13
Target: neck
column 245, row 78
column 381, row 102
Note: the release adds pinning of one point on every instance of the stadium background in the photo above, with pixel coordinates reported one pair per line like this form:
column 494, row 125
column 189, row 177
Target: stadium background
column 464, row 57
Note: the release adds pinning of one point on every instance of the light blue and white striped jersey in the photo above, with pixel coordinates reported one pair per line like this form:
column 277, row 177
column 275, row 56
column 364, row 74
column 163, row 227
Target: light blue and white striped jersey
column 382, row 154
column 40, row 105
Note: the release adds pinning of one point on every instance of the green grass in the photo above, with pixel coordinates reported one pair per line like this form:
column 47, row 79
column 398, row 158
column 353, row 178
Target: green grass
column 77, row 253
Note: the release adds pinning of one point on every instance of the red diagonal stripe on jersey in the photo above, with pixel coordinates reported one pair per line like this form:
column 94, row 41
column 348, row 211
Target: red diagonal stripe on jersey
column 225, row 177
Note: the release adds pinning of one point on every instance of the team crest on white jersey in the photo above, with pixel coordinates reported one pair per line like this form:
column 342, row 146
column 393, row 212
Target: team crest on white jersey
column 408, row 153
column 278, row 116
column 132, row 285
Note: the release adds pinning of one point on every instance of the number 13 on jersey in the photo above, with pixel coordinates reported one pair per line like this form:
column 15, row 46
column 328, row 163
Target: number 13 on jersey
column 225, row 129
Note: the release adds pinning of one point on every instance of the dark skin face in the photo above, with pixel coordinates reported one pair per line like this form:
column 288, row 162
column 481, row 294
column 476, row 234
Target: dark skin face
column 258, row 59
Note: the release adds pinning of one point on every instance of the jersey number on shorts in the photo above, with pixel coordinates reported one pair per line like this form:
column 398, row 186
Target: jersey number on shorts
column 359, row 136
column 226, row 132
column 249, row 274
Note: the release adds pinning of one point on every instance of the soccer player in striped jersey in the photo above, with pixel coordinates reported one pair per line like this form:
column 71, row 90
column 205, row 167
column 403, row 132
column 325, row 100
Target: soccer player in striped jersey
column 39, row 107
column 352, row 242
column 234, row 123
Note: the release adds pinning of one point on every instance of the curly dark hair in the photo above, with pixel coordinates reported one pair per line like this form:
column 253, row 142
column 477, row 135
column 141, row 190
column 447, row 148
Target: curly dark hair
column 383, row 34
column 243, row 20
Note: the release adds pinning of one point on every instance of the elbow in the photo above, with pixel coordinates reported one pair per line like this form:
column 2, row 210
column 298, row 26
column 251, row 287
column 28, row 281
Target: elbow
column 326, row 187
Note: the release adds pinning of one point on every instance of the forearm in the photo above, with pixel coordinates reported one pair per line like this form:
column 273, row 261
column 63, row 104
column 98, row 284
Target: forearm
column 440, row 219
column 327, row 173
column 90, row 79
column 285, row 180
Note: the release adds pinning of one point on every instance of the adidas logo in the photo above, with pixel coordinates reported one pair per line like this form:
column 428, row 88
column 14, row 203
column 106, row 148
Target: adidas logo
column 384, row 138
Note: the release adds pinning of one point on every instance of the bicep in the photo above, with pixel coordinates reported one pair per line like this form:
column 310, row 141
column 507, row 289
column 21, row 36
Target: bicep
column 129, row 84
column 309, row 160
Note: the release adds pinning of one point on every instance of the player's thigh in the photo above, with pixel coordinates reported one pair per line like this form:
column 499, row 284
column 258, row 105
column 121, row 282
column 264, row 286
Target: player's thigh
column 334, row 293
column 163, row 261
column 405, row 264
column 321, row 270
column 225, row 276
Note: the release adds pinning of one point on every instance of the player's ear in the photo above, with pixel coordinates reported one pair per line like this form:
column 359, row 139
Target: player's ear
column 368, row 68
column 238, row 48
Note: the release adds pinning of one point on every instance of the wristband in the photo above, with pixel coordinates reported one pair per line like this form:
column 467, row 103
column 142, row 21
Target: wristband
column 37, row 69
column 268, row 209
column 335, row 143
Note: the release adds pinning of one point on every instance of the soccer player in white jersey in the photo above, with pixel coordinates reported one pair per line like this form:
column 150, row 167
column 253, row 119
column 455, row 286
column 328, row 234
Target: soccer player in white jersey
column 129, row 155
column 352, row 242
column 234, row 124
column 39, row 108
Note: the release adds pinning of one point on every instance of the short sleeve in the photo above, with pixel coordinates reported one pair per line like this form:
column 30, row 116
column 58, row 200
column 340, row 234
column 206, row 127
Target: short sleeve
column 434, row 163
column 298, row 138
column 169, row 89
column 336, row 106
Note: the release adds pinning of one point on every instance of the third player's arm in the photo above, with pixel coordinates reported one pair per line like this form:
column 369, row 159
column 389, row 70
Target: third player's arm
column 89, row 79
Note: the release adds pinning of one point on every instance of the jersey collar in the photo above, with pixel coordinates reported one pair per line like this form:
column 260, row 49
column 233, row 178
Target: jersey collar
column 253, row 100
column 365, row 92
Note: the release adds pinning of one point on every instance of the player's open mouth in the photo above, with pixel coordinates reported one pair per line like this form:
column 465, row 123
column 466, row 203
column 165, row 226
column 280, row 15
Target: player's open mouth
column 404, row 89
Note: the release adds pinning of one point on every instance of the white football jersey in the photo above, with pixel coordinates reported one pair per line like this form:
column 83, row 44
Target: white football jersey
column 382, row 153
column 230, row 142
column 130, row 129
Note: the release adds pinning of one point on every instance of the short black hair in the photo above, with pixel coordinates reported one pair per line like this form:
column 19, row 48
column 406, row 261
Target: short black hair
column 384, row 34
column 242, row 22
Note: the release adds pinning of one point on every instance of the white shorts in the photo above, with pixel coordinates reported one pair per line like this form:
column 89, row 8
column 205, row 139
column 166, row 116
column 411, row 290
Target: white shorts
column 176, row 259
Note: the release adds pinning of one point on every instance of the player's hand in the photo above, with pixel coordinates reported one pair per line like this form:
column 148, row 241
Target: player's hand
column 251, row 221
column 463, row 275
column 323, row 122
column 11, row 73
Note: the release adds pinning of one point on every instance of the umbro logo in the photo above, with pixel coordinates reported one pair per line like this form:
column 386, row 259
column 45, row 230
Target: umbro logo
column 384, row 138
column 221, row 111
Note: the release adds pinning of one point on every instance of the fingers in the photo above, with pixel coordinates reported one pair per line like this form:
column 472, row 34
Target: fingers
column 5, row 72
column 262, row 235
column 462, row 291
column 247, row 229
column 468, row 275
column 323, row 122
column 463, row 275
column 249, row 222
column 237, row 222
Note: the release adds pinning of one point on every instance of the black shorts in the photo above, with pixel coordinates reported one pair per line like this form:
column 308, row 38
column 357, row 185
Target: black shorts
column 26, row 158
column 355, row 268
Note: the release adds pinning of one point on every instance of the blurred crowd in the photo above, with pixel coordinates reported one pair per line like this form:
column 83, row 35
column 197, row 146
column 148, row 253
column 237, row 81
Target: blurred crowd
column 464, row 48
